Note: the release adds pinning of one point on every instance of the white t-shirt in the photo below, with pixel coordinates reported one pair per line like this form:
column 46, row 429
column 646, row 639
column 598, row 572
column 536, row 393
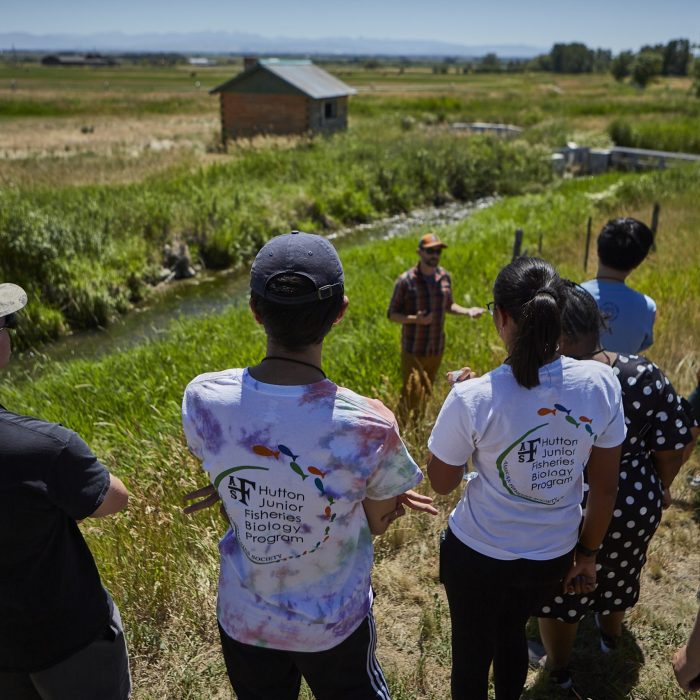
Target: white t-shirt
column 530, row 447
column 292, row 465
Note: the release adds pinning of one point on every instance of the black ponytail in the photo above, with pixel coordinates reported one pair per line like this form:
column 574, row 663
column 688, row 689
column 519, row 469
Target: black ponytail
column 580, row 316
column 530, row 291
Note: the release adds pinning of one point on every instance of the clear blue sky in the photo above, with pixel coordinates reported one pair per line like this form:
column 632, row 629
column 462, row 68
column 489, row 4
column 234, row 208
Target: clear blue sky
column 615, row 24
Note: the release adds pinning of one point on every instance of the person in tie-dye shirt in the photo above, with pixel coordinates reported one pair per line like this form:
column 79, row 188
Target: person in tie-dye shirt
column 306, row 471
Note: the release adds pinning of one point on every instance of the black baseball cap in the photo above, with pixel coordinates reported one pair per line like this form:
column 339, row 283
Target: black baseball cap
column 302, row 254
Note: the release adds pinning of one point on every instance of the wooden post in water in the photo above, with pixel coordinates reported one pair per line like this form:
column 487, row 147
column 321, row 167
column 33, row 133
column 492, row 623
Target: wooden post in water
column 588, row 243
column 517, row 243
column 655, row 223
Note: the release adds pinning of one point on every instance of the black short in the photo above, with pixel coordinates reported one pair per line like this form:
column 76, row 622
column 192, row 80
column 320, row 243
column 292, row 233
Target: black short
column 348, row 671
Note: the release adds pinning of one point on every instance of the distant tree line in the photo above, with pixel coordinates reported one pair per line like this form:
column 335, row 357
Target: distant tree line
column 672, row 59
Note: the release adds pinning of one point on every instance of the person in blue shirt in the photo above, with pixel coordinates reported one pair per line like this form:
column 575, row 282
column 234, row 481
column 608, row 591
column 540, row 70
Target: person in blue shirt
column 622, row 246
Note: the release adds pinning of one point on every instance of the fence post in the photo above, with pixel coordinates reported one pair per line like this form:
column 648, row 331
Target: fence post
column 588, row 243
column 655, row 223
column 517, row 243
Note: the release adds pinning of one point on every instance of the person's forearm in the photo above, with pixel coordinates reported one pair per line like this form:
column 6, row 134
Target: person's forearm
column 667, row 464
column 403, row 318
column 458, row 310
column 693, row 645
column 599, row 510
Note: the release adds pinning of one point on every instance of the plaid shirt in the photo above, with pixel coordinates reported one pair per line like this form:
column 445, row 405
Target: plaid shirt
column 414, row 292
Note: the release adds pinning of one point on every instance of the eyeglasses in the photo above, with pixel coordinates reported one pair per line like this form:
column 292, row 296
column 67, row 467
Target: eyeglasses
column 491, row 306
column 432, row 251
column 10, row 323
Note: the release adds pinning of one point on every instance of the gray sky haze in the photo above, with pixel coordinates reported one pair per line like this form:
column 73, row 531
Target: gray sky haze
column 615, row 24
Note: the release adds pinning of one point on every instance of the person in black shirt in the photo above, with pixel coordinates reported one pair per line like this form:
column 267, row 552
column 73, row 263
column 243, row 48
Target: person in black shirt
column 60, row 633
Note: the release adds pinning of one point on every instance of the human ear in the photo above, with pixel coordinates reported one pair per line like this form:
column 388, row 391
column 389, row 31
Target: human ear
column 256, row 315
column 342, row 311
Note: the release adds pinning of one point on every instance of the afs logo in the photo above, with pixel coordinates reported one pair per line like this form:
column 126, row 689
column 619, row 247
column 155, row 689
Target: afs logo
column 528, row 450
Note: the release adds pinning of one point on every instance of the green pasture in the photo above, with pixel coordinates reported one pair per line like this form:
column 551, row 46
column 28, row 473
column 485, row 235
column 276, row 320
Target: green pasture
column 92, row 250
column 89, row 252
column 162, row 566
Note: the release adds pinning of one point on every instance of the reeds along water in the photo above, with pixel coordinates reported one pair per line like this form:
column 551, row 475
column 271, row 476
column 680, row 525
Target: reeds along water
column 89, row 252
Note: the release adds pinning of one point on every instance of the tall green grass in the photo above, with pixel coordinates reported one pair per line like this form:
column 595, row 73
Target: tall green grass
column 88, row 252
column 161, row 566
column 679, row 134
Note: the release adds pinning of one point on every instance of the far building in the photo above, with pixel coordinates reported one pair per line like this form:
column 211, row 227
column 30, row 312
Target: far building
column 273, row 96
column 94, row 60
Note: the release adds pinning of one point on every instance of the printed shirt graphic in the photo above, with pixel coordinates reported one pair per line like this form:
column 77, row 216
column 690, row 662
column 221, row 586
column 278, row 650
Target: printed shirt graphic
column 530, row 447
column 629, row 315
column 292, row 465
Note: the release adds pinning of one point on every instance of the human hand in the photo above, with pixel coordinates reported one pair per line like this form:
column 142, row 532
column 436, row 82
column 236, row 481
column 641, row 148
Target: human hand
column 423, row 318
column 581, row 577
column 687, row 673
column 418, row 502
column 474, row 311
column 460, row 375
column 208, row 497
column 413, row 501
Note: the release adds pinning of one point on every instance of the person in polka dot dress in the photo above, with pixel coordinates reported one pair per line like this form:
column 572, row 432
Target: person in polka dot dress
column 658, row 429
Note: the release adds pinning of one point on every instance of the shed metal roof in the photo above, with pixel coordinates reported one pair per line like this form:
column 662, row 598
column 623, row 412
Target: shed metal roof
column 303, row 75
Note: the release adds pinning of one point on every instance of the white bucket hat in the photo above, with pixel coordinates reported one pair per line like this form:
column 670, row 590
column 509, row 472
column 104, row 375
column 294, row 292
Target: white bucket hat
column 12, row 298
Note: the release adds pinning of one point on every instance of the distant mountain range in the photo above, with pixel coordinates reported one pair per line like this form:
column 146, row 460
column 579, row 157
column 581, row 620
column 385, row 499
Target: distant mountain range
column 239, row 43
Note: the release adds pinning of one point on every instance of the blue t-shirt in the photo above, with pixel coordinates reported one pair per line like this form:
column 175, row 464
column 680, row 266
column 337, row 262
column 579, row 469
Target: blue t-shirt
column 629, row 316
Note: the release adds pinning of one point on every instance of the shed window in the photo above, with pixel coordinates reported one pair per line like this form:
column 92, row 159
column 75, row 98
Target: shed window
column 330, row 109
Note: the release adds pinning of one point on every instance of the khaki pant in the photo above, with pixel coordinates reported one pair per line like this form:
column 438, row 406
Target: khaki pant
column 418, row 372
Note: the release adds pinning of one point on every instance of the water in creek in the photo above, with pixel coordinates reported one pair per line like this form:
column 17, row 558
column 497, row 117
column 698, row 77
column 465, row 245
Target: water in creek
column 211, row 293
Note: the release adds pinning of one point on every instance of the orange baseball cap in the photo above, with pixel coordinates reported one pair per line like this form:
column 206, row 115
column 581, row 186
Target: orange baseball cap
column 430, row 240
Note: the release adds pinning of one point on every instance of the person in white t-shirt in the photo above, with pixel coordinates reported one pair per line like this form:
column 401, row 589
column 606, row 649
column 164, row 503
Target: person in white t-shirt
column 530, row 427
column 307, row 472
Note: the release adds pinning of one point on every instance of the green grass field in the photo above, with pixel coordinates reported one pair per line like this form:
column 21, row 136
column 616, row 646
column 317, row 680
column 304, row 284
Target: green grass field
column 161, row 566
column 88, row 213
column 116, row 162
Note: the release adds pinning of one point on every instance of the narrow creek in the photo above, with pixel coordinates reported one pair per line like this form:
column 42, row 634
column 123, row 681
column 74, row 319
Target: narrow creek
column 211, row 293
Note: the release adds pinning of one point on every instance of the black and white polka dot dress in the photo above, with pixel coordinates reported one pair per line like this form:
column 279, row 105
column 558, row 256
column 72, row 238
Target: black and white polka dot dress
column 655, row 421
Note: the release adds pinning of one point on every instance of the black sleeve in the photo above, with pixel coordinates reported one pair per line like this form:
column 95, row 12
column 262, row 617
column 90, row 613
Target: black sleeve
column 77, row 482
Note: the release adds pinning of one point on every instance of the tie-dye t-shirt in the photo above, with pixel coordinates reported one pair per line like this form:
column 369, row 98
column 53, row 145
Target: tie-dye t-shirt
column 292, row 465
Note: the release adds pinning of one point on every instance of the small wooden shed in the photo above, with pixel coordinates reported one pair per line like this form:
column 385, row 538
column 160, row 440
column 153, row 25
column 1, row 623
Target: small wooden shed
column 273, row 96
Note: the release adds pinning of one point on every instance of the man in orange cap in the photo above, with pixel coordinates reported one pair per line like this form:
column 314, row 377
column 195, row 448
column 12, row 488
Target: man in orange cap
column 422, row 296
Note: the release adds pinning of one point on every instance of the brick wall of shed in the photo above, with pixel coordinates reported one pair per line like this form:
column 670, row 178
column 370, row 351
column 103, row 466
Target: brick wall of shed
column 248, row 114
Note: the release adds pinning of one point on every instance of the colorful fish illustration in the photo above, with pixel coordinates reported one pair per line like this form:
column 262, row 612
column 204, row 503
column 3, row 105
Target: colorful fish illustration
column 319, row 484
column 331, row 500
column 317, row 472
column 558, row 406
column 333, row 517
column 327, row 511
column 265, row 451
column 298, row 470
column 583, row 419
column 589, row 429
column 327, row 530
column 545, row 411
column 571, row 420
column 286, row 451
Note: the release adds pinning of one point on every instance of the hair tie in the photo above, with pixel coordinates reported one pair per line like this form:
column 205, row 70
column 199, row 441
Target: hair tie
column 548, row 291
